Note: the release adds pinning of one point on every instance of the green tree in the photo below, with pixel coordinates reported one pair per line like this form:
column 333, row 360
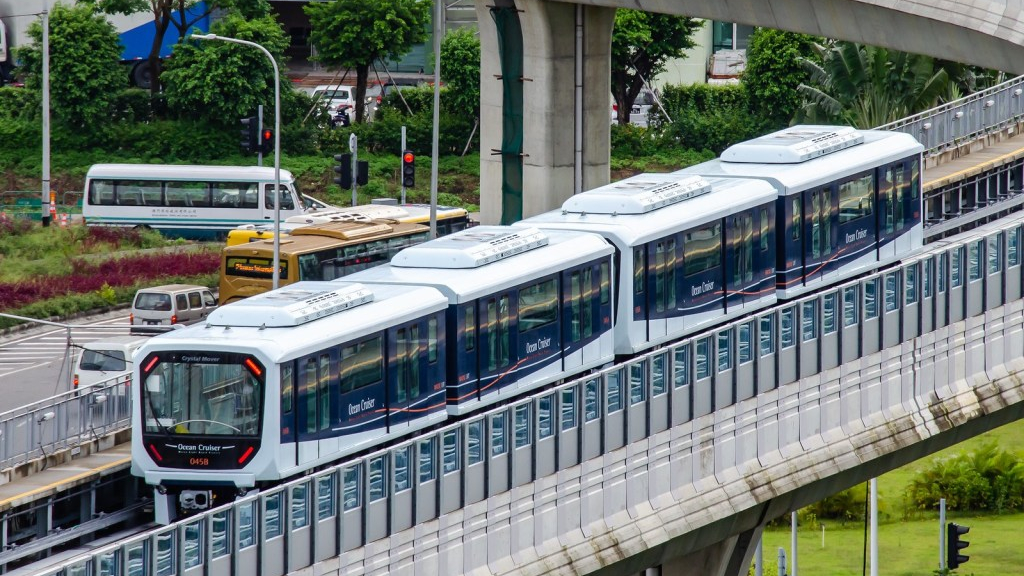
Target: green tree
column 85, row 69
column 867, row 86
column 774, row 73
column 356, row 33
column 181, row 14
column 642, row 42
column 220, row 82
column 460, row 70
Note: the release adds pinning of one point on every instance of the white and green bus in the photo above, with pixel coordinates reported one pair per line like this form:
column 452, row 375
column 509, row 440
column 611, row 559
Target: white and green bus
column 188, row 201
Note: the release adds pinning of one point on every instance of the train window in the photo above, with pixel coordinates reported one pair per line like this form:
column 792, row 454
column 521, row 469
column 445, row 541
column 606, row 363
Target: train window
column 638, row 270
column 665, row 275
column 941, row 276
column 901, row 183
column 1013, row 246
column 376, row 483
column 614, row 392
column 956, row 267
column 324, row 390
column 724, row 350
column 300, row 516
column 765, row 229
column 658, row 384
column 795, row 223
column 702, row 249
column 885, row 195
column 498, row 434
column 821, row 223
column 272, row 516
column 568, row 408
column 680, row 369
column 849, row 306
column 974, row 260
column 592, row 407
column 787, row 319
column 362, row 364
column 470, row 326
column 588, row 321
column 522, row 425
column 892, row 299
column 928, row 277
column 427, row 468
column 407, row 369
column 474, row 442
column 497, row 333
column 351, row 494
column 538, row 305
column 606, row 283
column 325, row 496
column 575, row 303
column 743, row 253
column 432, row 340
column 637, row 383
column 702, row 364
column 995, row 262
column 246, row 524
column 544, row 416
column 910, row 284
column 767, row 335
column 871, row 299
column 287, row 387
column 855, row 197
column 743, row 348
column 828, row 313
column 218, row 535
column 809, row 321
column 400, row 462
column 310, row 390
column 450, row 448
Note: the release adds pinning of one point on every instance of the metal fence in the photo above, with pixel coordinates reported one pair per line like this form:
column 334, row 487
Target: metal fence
column 63, row 421
column 970, row 118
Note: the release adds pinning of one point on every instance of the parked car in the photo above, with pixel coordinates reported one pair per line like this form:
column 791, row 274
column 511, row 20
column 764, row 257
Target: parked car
column 340, row 100
column 170, row 304
column 641, row 107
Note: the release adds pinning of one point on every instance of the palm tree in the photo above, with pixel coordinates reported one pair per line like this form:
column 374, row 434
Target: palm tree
column 867, row 86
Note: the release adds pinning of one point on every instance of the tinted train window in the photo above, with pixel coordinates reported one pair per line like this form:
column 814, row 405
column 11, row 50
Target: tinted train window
column 794, row 225
column 362, row 364
column 310, row 391
column 702, row 249
column 324, row 391
column 821, row 223
column 606, row 283
column 765, row 227
column 470, row 327
column 538, row 305
column 856, row 197
column 497, row 333
column 665, row 275
column 287, row 386
column 743, row 252
column 638, row 271
column 432, row 340
column 408, row 366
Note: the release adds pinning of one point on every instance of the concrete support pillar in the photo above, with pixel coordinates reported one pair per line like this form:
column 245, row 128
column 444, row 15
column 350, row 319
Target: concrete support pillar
column 730, row 557
column 552, row 141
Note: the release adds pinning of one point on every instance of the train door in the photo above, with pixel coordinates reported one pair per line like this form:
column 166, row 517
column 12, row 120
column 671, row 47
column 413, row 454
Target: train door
column 739, row 259
column 498, row 341
column 821, row 234
column 994, row 277
column 412, row 372
column 585, row 310
column 858, row 226
column 362, row 401
column 789, row 263
column 662, row 290
column 314, row 416
column 764, row 251
column 538, row 355
column 703, row 275
column 1013, row 268
column 289, row 453
column 463, row 355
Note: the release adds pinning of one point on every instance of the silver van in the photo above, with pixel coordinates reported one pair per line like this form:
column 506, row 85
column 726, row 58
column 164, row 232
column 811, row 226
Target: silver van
column 170, row 304
column 106, row 360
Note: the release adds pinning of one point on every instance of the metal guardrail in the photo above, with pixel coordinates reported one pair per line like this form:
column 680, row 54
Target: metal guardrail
column 969, row 118
column 63, row 421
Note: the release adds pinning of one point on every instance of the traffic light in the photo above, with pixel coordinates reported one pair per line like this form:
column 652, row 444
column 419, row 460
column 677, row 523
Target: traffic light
column 266, row 141
column 954, row 545
column 344, row 170
column 250, row 134
column 408, row 169
column 362, row 172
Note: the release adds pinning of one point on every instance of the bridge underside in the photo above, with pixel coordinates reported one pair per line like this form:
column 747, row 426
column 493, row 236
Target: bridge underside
column 545, row 90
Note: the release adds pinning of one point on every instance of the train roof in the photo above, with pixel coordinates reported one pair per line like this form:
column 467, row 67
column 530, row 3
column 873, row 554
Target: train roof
column 185, row 172
column 619, row 210
column 801, row 157
column 485, row 259
column 303, row 317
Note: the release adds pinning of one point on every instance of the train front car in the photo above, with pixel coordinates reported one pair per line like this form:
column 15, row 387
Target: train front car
column 691, row 251
column 525, row 307
column 281, row 383
column 849, row 200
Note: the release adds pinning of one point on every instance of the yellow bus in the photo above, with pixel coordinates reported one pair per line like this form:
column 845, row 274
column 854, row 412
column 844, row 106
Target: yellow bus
column 313, row 252
column 449, row 219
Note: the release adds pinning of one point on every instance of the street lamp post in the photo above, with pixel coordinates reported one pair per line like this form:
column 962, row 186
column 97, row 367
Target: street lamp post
column 277, row 146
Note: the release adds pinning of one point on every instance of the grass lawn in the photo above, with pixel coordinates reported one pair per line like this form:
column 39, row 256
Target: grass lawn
column 909, row 542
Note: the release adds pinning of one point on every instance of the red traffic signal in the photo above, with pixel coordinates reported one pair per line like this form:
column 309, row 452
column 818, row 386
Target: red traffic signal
column 266, row 141
column 408, row 169
column 408, row 158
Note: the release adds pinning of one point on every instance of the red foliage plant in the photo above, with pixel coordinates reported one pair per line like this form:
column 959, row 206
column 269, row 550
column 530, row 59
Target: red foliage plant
column 88, row 277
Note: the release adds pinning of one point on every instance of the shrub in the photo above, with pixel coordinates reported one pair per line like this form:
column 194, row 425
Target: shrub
column 987, row 479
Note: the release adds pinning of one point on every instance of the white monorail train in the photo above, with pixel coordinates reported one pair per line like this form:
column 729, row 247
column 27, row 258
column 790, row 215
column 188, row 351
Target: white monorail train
column 295, row 379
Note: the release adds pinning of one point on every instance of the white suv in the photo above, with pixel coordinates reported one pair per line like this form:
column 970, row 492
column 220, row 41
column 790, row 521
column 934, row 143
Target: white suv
column 337, row 97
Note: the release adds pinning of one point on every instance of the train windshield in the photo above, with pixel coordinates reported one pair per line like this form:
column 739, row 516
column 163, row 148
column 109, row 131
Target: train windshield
column 202, row 393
